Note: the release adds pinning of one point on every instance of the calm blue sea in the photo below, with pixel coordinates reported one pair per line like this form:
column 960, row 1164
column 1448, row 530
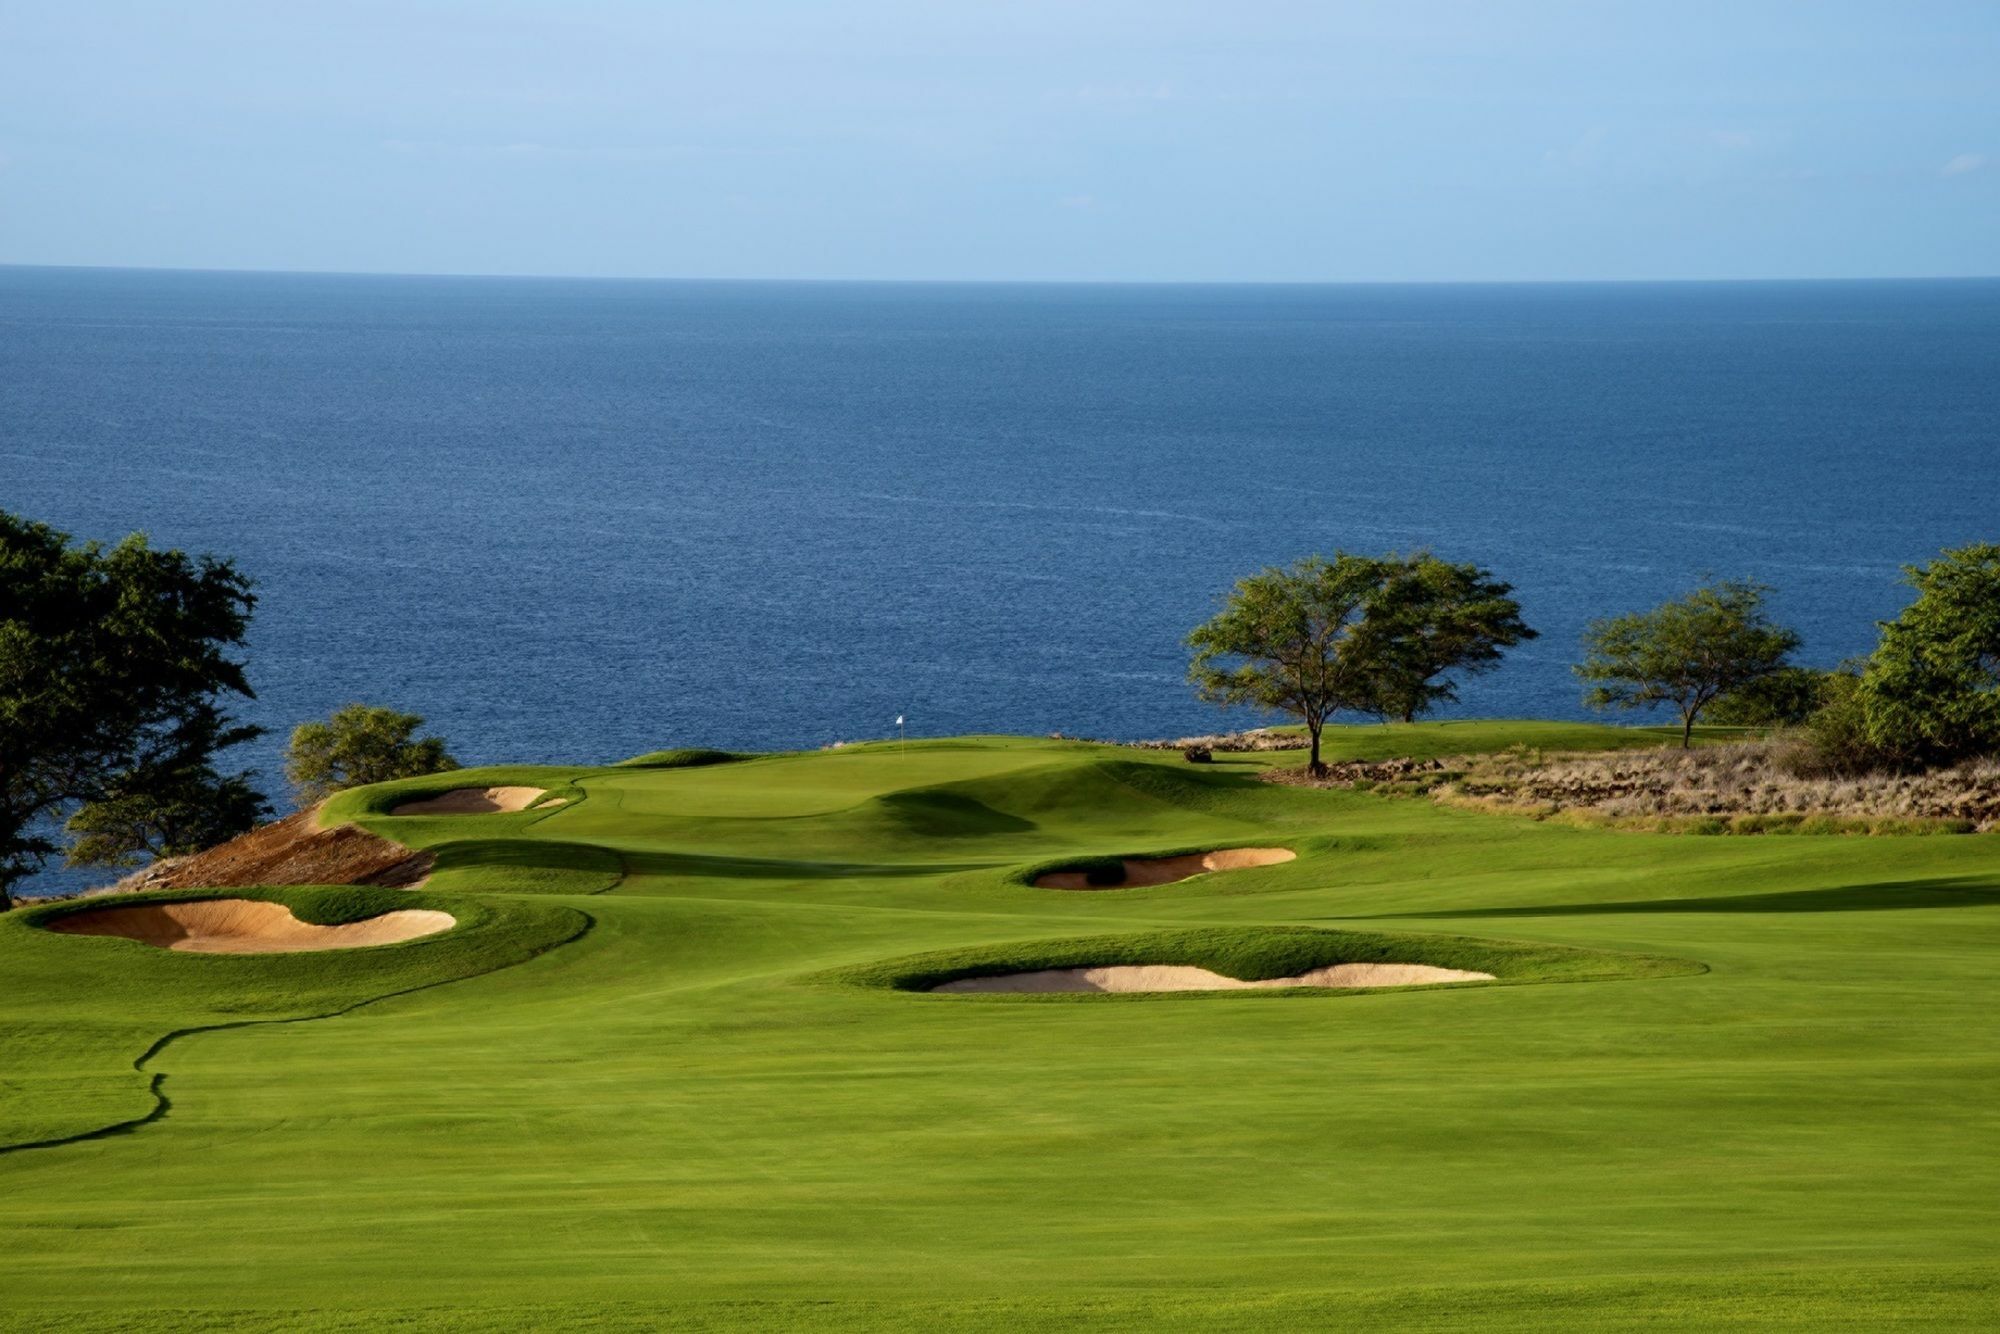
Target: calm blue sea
column 574, row 520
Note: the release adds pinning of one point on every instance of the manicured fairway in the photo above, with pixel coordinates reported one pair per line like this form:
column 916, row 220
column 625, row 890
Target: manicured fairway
column 652, row 1080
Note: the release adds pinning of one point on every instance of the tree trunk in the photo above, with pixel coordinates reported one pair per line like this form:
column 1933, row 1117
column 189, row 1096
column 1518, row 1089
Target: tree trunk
column 1687, row 731
column 1315, row 767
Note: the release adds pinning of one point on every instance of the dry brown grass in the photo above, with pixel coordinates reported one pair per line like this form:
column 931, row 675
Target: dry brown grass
column 1744, row 788
column 1256, row 739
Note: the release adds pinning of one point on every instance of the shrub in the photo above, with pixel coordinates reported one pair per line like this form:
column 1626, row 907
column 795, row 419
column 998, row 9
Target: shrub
column 1931, row 691
column 1836, row 741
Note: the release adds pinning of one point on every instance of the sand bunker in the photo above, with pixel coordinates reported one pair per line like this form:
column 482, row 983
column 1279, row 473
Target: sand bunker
column 1165, row 870
column 475, row 801
column 1180, row 977
column 246, row 926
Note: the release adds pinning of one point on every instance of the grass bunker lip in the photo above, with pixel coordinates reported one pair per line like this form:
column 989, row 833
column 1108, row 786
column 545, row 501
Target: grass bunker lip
column 1146, row 978
column 1142, row 872
column 476, row 801
column 1257, row 961
column 245, row 926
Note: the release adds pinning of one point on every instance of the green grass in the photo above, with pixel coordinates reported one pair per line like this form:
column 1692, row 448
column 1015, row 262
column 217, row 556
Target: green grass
column 665, row 1073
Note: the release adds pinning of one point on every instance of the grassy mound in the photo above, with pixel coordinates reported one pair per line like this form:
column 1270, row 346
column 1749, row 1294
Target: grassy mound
column 688, row 758
column 525, row 866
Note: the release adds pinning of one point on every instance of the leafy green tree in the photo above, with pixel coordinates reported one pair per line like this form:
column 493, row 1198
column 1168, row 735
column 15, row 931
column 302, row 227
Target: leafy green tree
column 194, row 809
column 114, row 662
column 1684, row 653
column 361, row 744
column 1931, row 691
column 1787, row 697
column 1433, row 619
column 1292, row 641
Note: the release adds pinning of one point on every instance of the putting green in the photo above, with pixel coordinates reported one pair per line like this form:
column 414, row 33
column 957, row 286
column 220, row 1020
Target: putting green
column 674, row 1067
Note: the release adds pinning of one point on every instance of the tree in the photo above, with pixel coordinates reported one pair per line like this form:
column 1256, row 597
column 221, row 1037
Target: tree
column 1684, row 653
column 1930, row 693
column 360, row 744
column 194, row 809
column 1435, row 618
column 114, row 663
column 1292, row 640
column 1787, row 697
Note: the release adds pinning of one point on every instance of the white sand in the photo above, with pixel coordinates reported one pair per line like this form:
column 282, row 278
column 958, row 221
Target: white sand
column 1166, row 870
column 1177, row 977
column 246, row 926
column 475, row 801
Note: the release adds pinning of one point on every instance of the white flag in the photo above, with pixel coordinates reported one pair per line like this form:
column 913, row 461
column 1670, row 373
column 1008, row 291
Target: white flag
column 899, row 720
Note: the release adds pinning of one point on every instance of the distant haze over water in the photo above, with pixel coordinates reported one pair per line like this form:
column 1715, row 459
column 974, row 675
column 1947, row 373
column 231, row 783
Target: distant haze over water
column 576, row 520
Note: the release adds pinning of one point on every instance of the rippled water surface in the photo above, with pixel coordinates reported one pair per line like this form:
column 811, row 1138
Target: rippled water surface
column 576, row 520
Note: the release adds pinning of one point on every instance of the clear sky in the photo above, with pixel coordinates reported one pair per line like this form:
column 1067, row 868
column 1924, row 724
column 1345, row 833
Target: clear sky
column 1150, row 140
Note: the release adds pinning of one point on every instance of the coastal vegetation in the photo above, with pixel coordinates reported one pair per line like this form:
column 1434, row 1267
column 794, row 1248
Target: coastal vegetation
column 1930, row 693
column 358, row 745
column 1356, row 634
column 116, row 679
column 1686, row 653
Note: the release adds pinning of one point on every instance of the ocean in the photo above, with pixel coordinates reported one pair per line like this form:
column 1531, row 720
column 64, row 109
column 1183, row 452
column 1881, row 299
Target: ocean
column 574, row 520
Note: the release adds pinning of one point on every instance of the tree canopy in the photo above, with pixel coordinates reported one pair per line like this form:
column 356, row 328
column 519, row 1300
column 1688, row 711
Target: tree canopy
column 359, row 744
column 1289, row 640
column 114, row 668
column 1684, row 653
column 1435, row 618
column 1930, row 693
column 1787, row 697
column 194, row 809
column 1361, row 634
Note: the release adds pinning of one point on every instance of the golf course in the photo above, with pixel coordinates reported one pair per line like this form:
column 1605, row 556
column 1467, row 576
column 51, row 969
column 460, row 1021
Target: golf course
column 686, row 1042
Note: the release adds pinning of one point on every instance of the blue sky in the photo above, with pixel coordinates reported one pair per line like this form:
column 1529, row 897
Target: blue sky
column 1159, row 140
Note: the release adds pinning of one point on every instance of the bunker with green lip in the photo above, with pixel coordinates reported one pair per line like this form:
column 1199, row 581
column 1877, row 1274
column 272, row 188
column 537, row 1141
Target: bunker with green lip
column 1135, row 872
column 245, row 926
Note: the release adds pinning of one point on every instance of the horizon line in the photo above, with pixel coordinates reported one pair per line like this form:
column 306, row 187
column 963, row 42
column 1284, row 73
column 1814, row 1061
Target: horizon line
column 1000, row 282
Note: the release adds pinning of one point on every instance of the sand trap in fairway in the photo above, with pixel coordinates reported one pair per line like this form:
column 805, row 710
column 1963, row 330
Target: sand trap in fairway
column 1179, row 977
column 474, row 801
column 1165, row 870
column 246, row 926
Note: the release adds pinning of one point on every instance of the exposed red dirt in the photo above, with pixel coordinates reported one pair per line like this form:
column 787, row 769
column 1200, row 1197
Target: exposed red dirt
column 290, row 851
